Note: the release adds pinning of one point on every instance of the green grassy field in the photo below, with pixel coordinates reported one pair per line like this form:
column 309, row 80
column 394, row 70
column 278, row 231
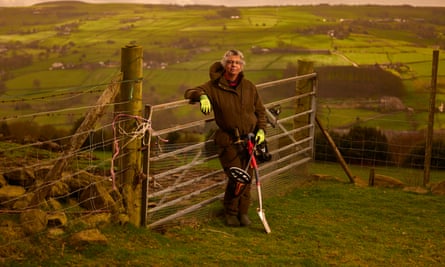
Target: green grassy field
column 189, row 43
column 101, row 30
column 321, row 223
column 190, row 38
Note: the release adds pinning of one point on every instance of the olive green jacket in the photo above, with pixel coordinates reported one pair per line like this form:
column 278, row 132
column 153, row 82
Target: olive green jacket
column 240, row 108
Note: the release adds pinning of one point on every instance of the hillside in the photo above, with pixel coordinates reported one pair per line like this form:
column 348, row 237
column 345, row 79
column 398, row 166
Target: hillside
column 61, row 45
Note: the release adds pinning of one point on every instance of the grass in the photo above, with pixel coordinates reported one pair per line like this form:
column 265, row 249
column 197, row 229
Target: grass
column 319, row 224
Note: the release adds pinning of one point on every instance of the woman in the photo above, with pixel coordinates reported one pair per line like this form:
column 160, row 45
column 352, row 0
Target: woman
column 238, row 111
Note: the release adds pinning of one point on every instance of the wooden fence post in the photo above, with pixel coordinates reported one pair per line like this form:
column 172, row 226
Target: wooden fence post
column 303, row 104
column 337, row 153
column 432, row 109
column 129, row 102
column 371, row 180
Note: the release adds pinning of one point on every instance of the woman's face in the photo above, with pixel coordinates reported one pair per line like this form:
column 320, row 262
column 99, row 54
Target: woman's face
column 234, row 65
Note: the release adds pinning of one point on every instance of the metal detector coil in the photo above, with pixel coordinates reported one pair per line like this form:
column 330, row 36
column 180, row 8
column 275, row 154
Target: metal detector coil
column 240, row 175
column 240, row 180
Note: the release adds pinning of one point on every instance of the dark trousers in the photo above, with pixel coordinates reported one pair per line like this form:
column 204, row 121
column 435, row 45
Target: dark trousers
column 234, row 156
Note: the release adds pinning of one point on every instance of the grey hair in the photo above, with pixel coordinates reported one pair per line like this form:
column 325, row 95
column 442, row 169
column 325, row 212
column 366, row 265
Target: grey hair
column 232, row 52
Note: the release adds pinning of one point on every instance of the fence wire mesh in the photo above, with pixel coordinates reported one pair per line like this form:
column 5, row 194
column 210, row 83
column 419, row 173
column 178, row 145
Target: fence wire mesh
column 187, row 176
column 184, row 175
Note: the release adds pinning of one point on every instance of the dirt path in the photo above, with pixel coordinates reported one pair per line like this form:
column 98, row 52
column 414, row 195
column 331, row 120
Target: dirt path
column 345, row 58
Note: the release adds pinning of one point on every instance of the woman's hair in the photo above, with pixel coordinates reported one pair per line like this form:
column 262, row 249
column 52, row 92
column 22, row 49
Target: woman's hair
column 233, row 52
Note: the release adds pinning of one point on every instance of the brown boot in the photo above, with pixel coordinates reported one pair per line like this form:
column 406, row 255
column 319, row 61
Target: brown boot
column 244, row 220
column 232, row 220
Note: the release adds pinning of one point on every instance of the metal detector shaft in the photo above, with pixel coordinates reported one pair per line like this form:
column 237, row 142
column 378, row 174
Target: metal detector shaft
column 254, row 165
column 260, row 210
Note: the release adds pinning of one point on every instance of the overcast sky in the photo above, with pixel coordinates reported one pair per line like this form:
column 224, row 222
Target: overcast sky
column 246, row 2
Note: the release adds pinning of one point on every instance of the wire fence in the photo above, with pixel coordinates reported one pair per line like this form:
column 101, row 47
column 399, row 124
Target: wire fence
column 398, row 151
column 35, row 134
column 37, row 131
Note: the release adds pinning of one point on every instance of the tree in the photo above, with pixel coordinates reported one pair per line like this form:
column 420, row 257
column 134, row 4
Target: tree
column 416, row 158
column 365, row 146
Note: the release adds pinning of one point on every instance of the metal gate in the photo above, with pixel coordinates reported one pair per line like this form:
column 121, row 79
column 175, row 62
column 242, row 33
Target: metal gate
column 184, row 173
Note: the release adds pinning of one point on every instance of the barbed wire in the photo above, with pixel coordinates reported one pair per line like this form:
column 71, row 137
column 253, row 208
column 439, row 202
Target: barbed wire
column 23, row 99
column 69, row 91
column 65, row 111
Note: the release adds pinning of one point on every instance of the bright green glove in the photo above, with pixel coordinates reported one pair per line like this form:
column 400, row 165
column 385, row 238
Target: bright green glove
column 206, row 107
column 260, row 136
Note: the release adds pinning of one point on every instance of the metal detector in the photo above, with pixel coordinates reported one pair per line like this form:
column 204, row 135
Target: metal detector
column 238, row 172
